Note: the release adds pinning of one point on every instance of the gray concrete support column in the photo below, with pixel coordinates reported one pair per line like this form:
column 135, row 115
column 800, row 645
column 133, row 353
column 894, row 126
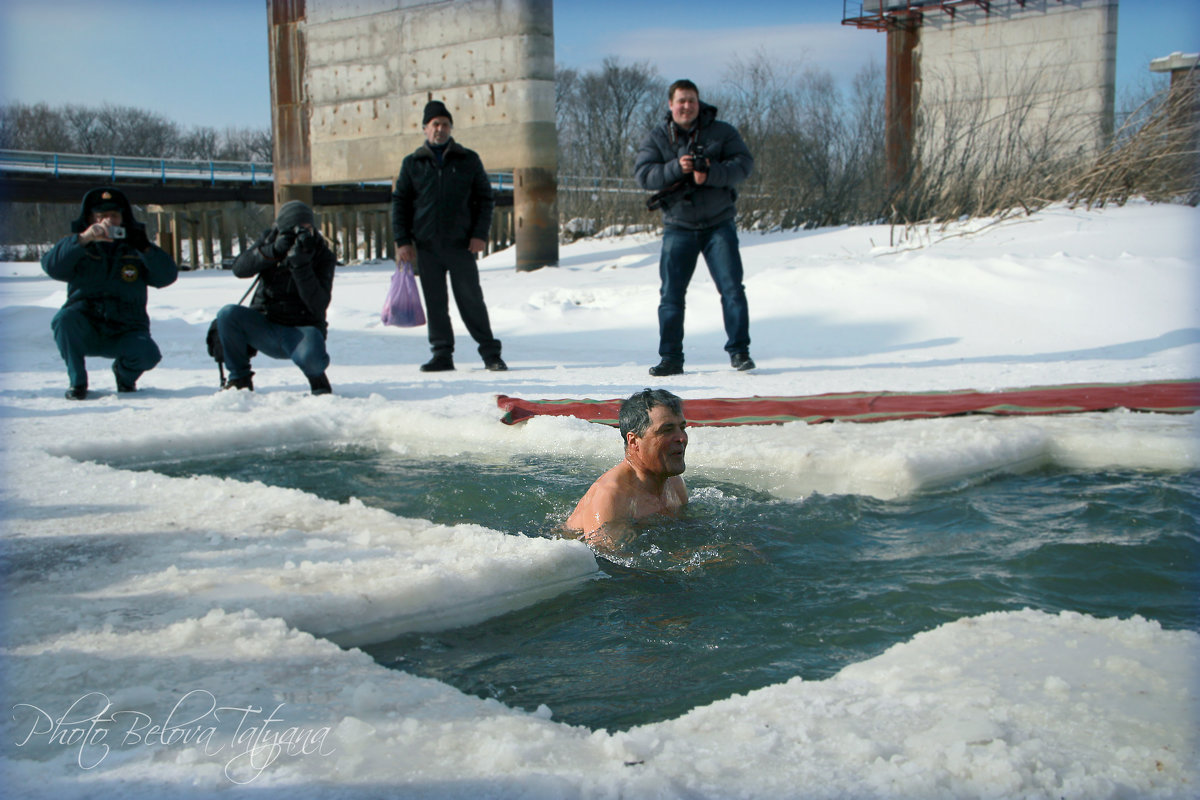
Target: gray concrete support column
column 902, row 75
column 177, row 229
column 346, row 219
column 206, row 237
column 225, row 221
column 535, row 201
column 194, row 242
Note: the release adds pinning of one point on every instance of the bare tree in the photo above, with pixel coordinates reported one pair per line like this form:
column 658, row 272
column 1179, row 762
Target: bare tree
column 200, row 143
column 247, row 144
column 134, row 132
column 37, row 127
column 606, row 113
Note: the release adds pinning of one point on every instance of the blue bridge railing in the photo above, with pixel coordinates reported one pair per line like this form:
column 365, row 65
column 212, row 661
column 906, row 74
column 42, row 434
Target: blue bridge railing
column 164, row 169
column 112, row 167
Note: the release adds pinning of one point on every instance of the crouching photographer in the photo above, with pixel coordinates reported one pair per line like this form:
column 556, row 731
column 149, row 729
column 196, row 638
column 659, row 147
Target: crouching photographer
column 286, row 317
column 108, row 263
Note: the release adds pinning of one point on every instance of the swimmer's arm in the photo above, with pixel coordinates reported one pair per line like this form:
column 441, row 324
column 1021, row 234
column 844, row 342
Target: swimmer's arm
column 602, row 522
column 680, row 489
column 611, row 538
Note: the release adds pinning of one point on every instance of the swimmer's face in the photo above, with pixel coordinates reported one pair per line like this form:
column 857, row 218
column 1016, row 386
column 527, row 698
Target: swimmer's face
column 661, row 449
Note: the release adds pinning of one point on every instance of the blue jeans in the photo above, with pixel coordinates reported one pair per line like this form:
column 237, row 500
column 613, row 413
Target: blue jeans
column 241, row 328
column 680, row 250
column 78, row 335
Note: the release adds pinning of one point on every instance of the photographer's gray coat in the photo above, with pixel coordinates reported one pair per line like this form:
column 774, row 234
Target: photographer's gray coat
column 711, row 203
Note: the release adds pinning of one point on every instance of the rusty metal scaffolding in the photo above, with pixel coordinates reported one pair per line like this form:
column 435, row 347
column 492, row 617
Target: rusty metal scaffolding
column 882, row 15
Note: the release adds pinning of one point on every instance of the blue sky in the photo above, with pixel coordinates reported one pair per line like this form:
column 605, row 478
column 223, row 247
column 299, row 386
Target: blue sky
column 204, row 62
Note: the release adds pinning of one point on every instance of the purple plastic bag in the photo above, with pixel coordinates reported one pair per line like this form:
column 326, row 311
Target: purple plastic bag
column 402, row 308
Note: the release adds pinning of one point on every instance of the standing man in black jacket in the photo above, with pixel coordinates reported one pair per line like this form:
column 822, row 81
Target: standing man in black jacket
column 441, row 212
column 694, row 163
column 108, row 262
column 286, row 317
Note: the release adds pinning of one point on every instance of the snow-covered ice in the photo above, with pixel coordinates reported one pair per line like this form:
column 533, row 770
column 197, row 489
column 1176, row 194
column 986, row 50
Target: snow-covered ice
column 180, row 636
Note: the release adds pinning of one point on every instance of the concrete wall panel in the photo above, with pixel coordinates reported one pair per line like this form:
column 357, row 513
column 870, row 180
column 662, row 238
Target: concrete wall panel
column 371, row 65
column 353, row 78
column 1054, row 61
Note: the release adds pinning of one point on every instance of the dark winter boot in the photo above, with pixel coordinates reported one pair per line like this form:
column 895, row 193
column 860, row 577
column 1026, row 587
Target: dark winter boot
column 438, row 364
column 123, row 386
column 77, row 393
column 240, row 383
column 741, row 361
column 667, row 367
column 320, row 384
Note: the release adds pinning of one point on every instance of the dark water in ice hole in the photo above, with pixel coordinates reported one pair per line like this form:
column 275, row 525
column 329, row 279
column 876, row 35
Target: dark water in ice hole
column 825, row 582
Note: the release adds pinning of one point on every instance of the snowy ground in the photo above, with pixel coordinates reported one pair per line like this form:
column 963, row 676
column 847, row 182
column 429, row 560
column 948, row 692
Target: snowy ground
column 176, row 636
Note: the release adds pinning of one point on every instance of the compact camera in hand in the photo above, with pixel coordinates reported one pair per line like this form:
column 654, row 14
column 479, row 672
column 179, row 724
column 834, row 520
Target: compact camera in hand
column 116, row 232
column 700, row 162
column 305, row 239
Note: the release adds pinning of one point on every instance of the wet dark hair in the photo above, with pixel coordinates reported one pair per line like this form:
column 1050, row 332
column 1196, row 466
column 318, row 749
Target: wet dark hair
column 682, row 83
column 635, row 410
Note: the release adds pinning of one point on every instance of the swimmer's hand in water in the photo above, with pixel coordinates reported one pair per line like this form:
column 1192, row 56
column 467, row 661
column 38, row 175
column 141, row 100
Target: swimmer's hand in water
column 725, row 553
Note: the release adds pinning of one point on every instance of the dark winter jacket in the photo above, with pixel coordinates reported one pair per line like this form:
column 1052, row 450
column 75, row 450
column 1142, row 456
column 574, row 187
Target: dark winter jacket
column 711, row 203
column 108, row 280
column 294, row 290
column 447, row 203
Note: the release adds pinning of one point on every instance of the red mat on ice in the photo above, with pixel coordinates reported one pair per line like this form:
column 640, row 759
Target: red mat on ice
column 1174, row 397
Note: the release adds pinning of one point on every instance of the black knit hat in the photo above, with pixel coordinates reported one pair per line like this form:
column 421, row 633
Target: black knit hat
column 293, row 213
column 435, row 108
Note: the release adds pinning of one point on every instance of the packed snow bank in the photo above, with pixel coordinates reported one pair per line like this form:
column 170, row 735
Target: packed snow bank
column 1020, row 704
column 114, row 547
column 883, row 460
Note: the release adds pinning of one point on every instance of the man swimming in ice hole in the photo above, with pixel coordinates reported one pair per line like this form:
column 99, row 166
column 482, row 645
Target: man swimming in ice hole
column 647, row 481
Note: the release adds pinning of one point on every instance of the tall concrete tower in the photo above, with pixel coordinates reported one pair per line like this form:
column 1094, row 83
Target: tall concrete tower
column 350, row 78
column 1034, row 70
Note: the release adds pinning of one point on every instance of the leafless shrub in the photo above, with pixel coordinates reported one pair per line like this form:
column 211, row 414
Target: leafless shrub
column 1155, row 154
column 984, row 147
column 1031, row 147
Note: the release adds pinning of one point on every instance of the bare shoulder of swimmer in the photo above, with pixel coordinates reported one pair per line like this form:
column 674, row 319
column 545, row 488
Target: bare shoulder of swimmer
column 605, row 501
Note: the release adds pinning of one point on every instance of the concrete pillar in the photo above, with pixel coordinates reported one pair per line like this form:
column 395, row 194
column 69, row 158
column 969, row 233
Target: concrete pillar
column 164, row 239
column 1185, row 91
column 348, row 242
column 535, row 198
column 206, row 237
column 194, row 242
column 900, row 98
column 243, row 239
column 358, row 220
column 177, row 231
column 292, row 158
column 225, row 222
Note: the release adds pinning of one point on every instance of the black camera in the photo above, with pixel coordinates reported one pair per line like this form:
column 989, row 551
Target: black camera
column 305, row 238
column 700, row 162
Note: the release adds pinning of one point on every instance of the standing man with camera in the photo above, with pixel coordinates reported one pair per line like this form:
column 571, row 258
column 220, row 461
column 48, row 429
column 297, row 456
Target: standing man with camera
column 694, row 162
column 441, row 212
column 107, row 262
column 286, row 317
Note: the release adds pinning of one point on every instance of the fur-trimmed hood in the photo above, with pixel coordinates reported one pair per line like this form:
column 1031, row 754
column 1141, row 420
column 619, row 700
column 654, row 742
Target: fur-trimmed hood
column 94, row 198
